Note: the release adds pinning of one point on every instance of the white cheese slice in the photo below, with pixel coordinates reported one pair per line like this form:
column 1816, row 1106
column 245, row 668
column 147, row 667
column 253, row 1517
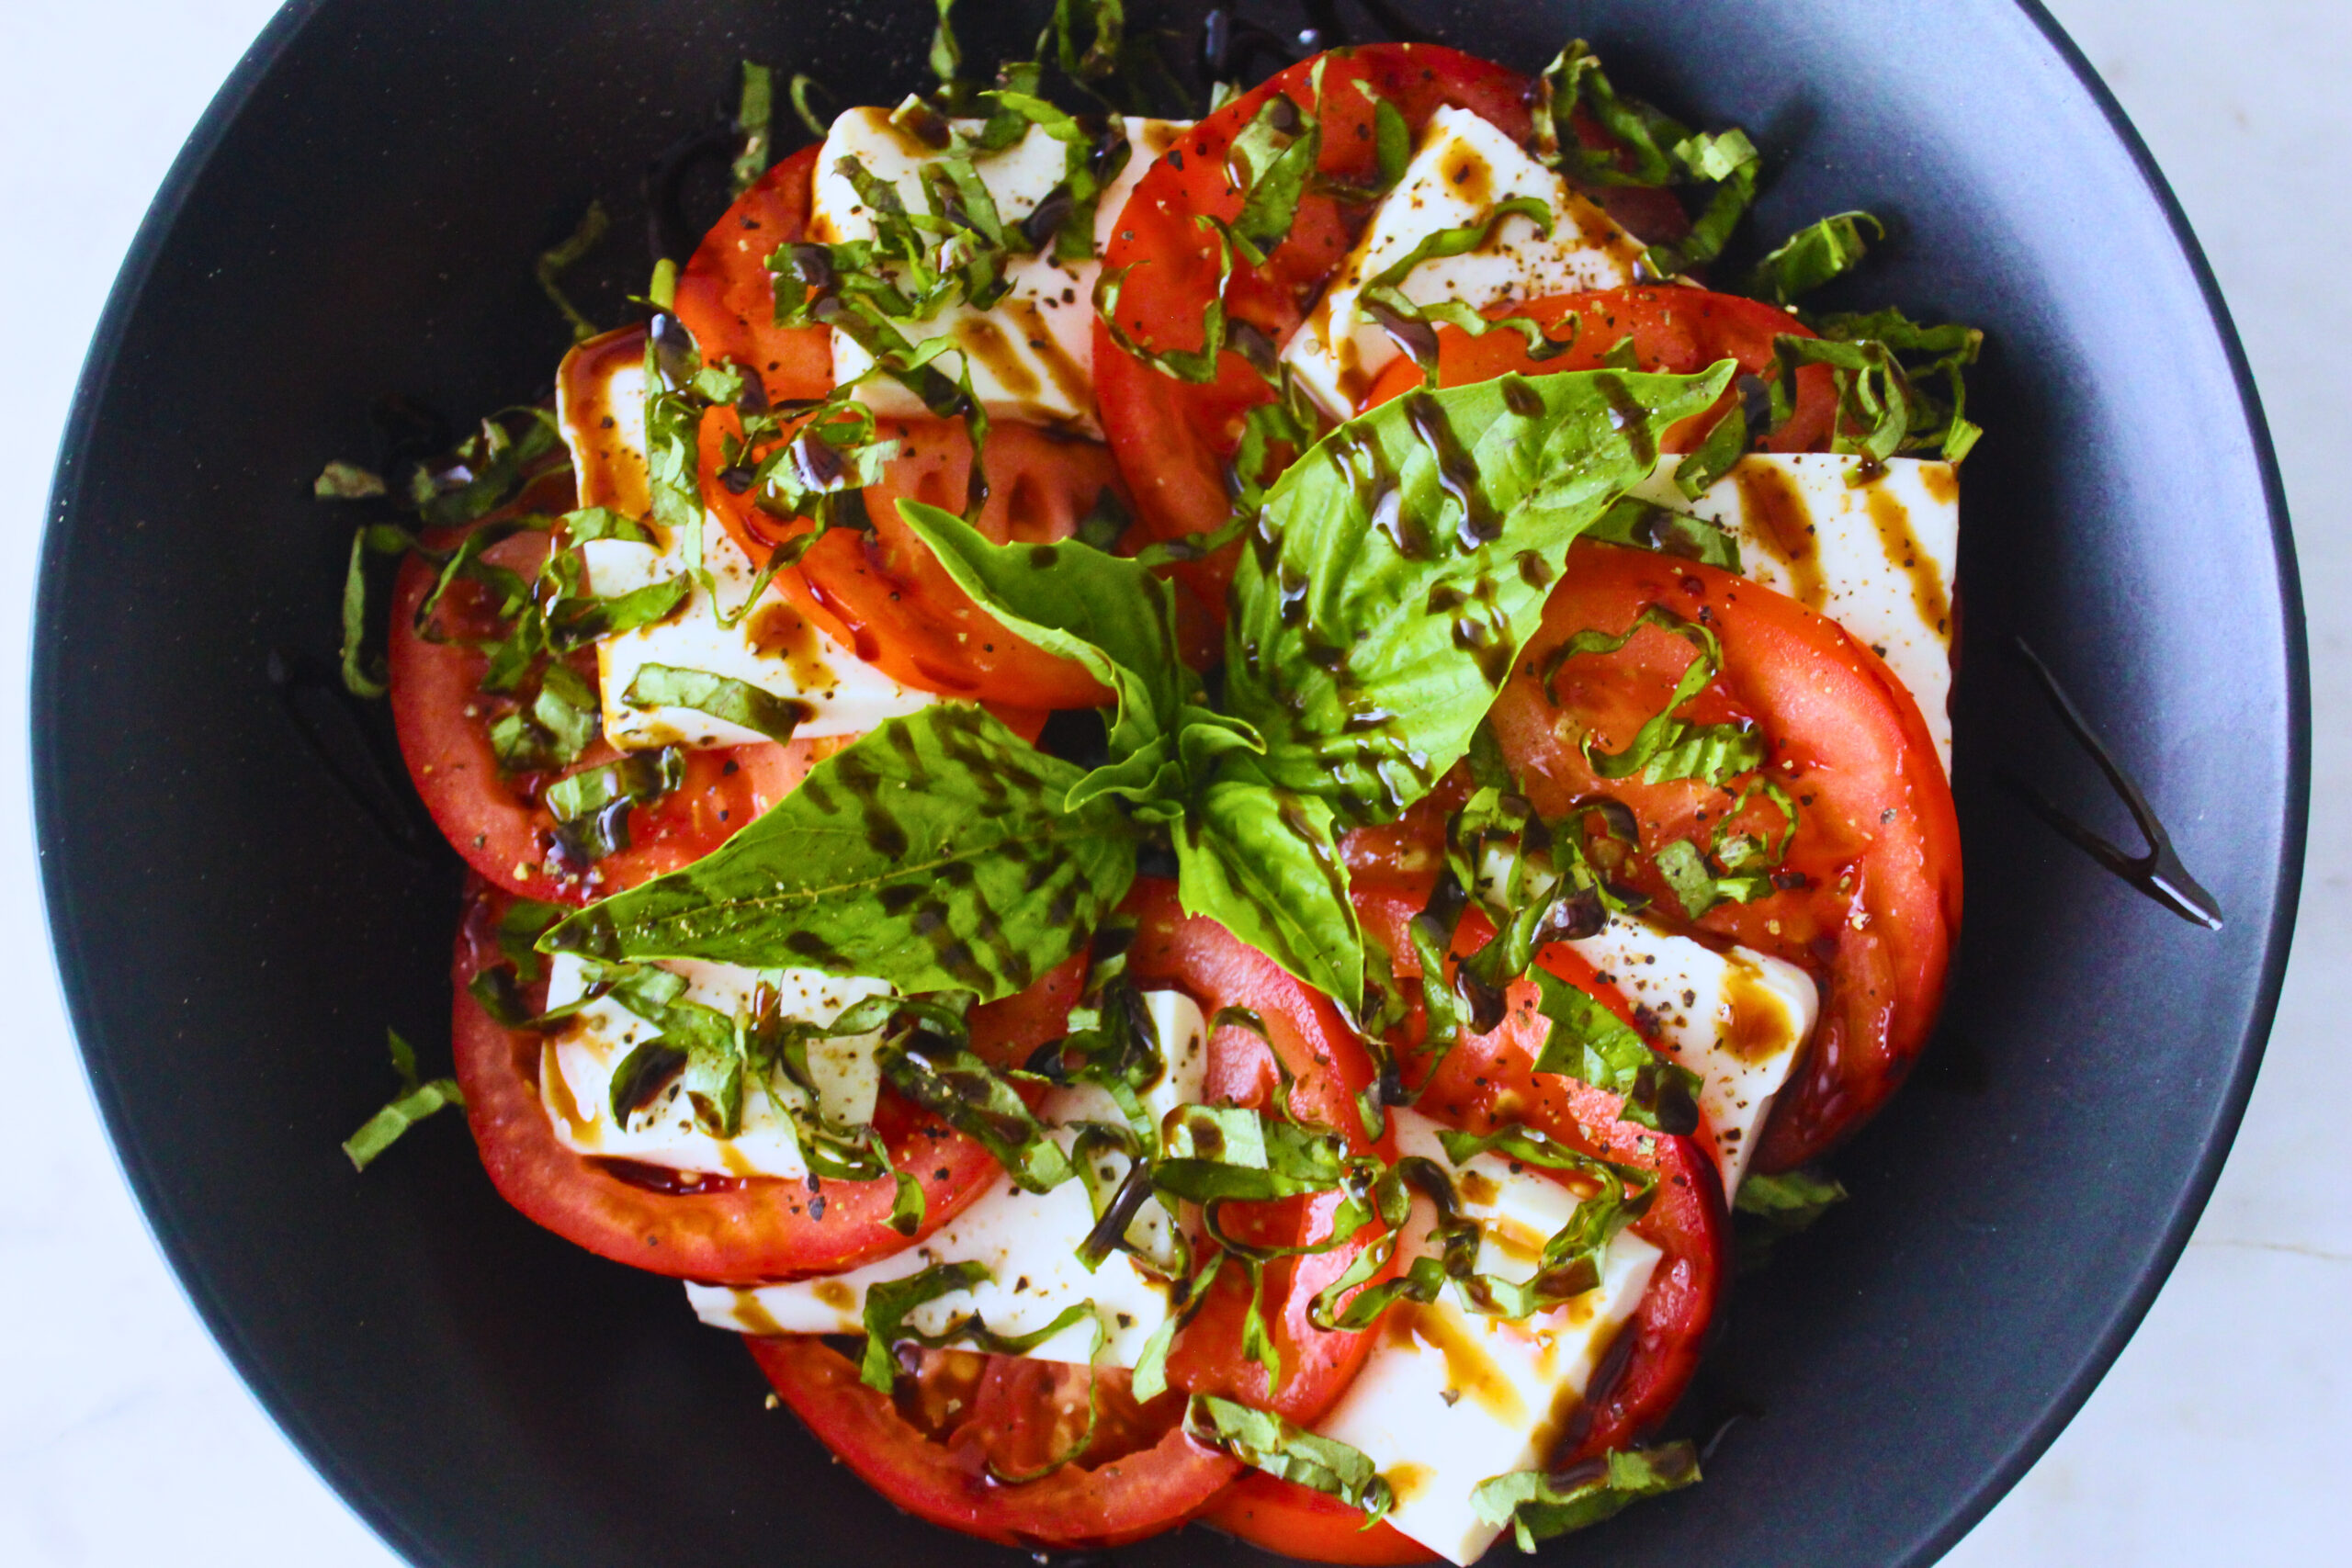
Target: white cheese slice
column 1461, row 171
column 1448, row 1397
column 577, row 1063
column 1879, row 558
column 1031, row 355
column 773, row 647
column 1029, row 1242
column 1739, row 1019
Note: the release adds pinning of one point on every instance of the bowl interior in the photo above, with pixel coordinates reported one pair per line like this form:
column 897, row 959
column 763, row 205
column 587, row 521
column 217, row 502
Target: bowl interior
column 359, row 214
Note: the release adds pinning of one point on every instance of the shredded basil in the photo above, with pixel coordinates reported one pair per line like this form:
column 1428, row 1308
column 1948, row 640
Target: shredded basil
column 557, row 260
column 1265, row 1441
column 416, row 1102
column 1886, row 367
column 1586, row 1041
column 593, row 807
column 721, row 696
column 1768, row 1209
column 1665, row 747
column 754, row 122
column 1539, row 1507
column 1826, row 249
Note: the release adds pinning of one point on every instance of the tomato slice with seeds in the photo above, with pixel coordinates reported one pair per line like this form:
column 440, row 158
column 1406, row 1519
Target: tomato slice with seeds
column 721, row 1229
column 884, row 595
column 726, row 295
column 1872, row 896
column 1680, row 330
column 1172, row 438
column 958, row 1421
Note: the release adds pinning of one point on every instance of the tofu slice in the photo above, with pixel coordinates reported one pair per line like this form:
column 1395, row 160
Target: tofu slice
column 1879, row 558
column 601, row 406
column 1739, row 1020
column 1028, row 1240
column 1449, row 1398
column 1031, row 356
column 577, row 1063
column 1461, row 169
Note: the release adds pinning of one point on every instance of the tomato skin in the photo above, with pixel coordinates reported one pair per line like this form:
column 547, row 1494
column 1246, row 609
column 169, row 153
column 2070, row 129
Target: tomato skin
column 1153, row 1487
column 1675, row 329
column 1291, row 1520
column 886, row 597
column 1330, row 1067
column 726, row 1230
column 1877, row 841
column 498, row 824
column 1172, row 438
column 1489, row 1080
column 726, row 295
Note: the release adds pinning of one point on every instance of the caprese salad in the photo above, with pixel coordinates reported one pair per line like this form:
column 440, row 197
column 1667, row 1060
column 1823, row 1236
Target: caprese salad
column 1181, row 805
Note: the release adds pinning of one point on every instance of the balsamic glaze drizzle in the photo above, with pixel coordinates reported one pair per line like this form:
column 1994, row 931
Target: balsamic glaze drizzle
column 2158, row 872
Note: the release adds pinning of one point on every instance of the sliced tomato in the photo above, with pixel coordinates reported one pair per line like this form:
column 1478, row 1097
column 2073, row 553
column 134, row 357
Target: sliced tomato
column 1872, row 894
column 959, row 1421
column 883, row 594
column 1328, row 1068
column 499, row 822
column 1674, row 329
column 727, row 297
column 728, row 1229
column 1297, row 1521
column 1489, row 1080
column 1174, row 437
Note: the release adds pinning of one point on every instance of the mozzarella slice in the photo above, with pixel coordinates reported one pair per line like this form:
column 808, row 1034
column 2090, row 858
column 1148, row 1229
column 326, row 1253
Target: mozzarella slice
column 773, row 647
column 1739, row 1019
column 1461, row 171
column 577, row 1063
column 1449, row 1398
column 1029, row 1242
column 601, row 407
column 1878, row 557
column 1031, row 356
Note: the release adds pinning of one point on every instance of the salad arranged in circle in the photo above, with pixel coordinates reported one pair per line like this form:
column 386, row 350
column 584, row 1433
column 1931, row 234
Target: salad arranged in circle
column 1190, row 808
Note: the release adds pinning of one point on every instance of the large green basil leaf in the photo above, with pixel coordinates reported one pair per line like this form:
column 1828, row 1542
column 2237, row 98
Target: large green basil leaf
column 1263, row 863
column 933, row 853
column 1398, row 566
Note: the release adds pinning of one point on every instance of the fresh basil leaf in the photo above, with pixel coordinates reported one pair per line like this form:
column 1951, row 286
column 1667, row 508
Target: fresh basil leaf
column 602, row 523
column 931, row 855
column 339, row 480
column 1885, row 364
column 1264, row 863
column 416, row 1102
column 1273, row 160
column 1392, row 141
column 721, row 696
column 1647, row 526
column 1586, row 1041
column 1668, row 748
column 487, row 468
column 754, row 122
column 961, row 1089
column 947, row 56
column 1265, row 1441
column 1768, row 1209
column 1539, row 1507
column 1401, row 565
column 1686, row 876
column 887, row 1301
column 1812, row 256
column 362, row 676
column 573, row 623
column 1215, row 1153
column 557, row 260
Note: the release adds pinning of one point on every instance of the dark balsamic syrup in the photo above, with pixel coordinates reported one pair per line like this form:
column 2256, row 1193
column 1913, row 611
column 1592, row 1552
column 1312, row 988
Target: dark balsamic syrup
column 2157, row 873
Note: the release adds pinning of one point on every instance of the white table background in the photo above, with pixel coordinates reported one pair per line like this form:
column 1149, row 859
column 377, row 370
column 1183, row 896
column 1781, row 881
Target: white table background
column 124, row 1437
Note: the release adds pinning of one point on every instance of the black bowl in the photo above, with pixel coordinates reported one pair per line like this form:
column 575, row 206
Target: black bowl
column 240, row 909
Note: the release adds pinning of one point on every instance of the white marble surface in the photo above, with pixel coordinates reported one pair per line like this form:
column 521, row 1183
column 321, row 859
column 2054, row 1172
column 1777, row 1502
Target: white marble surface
column 124, row 1438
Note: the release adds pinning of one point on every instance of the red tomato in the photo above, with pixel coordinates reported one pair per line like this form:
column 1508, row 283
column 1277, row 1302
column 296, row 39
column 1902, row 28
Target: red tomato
column 957, row 1414
column 884, row 594
column 727, row 297
column 1678, row 330
column 1329, row 1068
column 1876, row 843
column 1291, row 1520
column 726, row 1229
column 1489, row 1080
column 499, row 822
column 1172, row 438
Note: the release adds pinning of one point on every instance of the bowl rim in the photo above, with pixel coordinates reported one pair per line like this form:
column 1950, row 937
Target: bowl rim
column 60, row 904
